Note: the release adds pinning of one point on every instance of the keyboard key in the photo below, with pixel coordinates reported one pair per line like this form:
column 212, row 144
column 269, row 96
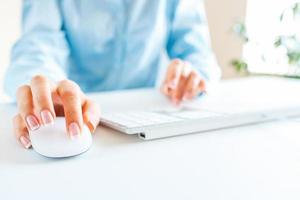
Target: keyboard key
column 143, row 118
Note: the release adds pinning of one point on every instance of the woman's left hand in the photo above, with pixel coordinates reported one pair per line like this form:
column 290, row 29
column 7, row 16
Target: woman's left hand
column 182, row 82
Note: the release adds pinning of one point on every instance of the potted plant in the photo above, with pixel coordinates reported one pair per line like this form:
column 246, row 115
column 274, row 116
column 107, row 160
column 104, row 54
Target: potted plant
column 287, row 44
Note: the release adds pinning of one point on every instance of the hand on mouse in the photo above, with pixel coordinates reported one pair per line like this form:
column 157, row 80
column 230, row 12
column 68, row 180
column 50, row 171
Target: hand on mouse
column 41, row 101
column 182, row 82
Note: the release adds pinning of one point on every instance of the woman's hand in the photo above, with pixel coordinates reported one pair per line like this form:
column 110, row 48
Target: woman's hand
column 41, row 101
column 182, row 82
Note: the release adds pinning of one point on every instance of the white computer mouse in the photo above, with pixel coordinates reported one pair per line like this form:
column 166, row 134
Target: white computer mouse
column 53, row 140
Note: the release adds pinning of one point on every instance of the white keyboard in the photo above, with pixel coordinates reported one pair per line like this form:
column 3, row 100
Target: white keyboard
column 149, row 118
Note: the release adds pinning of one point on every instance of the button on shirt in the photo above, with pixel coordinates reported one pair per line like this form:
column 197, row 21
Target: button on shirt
column 109, row 44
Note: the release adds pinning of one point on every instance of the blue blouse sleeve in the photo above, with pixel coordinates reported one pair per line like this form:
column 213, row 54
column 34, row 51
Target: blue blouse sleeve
column 189, row 38
column 42, row 48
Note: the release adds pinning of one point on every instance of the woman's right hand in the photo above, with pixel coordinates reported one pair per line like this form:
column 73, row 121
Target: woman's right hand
column 41, row 101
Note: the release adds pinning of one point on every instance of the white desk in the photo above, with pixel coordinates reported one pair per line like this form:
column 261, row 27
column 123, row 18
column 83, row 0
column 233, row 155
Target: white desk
column 252, row 162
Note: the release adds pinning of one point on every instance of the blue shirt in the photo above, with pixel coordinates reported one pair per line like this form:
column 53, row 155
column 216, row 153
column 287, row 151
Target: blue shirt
column 109, row 44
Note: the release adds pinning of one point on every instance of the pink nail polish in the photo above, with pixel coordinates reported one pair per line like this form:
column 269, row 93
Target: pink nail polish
column 74, row 130
column 93, row 120
column 32, row 122
column 172, row 85
column 187, row 96
column 46, row 117
column 25, row 142
column 175, row 101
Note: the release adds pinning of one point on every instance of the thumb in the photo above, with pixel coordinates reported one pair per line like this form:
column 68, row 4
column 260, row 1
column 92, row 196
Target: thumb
column 91, row 115
column 174, row 72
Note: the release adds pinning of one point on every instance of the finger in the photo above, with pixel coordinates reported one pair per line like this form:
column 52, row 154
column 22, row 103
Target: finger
column 21, row 131
column 42, row 100
column 25, row 107
column 173, row 75
column 192, row 87
column 179, row 92
column 70, row 95
column 201, row 88
column 91, row 114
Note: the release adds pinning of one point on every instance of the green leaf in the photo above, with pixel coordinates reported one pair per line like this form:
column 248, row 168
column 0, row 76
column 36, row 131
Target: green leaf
column 240, row 65
column 293, row 57
column 281, row 17
column 296, row 9
column 278, row 42
column 240, row 29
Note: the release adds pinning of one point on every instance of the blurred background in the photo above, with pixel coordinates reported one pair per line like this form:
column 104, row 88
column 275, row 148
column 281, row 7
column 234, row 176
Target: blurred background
column 227, row 41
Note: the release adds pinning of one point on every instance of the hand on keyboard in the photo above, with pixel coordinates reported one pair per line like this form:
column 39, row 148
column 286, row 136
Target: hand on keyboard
column 182, row 82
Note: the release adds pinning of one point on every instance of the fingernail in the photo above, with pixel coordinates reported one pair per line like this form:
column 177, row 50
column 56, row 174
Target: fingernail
column 175, row 101
column 172, row 84
column 74, row 130
column 46, row 117
column 32, row 122
column 25, row 142
column 93, row 121
column 187, row 96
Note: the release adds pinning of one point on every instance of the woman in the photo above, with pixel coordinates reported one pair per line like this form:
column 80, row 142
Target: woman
column 70, row 47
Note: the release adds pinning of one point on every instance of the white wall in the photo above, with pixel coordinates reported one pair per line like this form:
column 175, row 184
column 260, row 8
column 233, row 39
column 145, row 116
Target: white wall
column 221, row 16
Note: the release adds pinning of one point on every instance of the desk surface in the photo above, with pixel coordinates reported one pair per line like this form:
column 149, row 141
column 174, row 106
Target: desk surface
column 252, row 162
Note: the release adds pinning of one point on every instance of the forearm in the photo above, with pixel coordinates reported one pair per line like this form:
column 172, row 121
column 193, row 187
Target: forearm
column 190, row 41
